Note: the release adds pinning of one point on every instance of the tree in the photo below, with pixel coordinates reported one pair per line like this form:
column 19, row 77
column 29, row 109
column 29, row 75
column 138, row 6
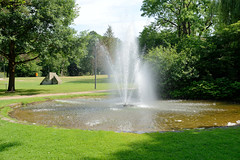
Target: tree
column 220, row 56
column 228, row 11
column 89, row 61
column 150, row 38
column 70, row 50
column 28, row 69
column 29, row 28
column 186, row 17
column 79, row 57
column 110, row 43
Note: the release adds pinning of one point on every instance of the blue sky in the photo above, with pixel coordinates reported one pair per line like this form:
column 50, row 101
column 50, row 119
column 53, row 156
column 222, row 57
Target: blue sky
column 119, row 14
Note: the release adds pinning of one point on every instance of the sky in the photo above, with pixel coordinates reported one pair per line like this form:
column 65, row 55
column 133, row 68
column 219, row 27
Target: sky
column 97, row 15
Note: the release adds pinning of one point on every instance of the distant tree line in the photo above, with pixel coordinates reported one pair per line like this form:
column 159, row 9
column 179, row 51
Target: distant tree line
column 79, row 60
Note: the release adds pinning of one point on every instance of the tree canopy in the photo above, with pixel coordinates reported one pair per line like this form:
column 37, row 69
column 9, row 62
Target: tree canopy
column 186, row 17
column 193, row 47
column 28, row 28
column 228, row 11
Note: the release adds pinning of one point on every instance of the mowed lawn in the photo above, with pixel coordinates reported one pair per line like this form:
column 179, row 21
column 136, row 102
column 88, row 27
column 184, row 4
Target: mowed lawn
column 31, row 142
column 31, row 85
column 34, row 142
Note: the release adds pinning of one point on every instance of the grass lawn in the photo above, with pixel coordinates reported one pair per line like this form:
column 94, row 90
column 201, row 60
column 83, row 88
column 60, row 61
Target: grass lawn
column 30, row 142
column 31, row 85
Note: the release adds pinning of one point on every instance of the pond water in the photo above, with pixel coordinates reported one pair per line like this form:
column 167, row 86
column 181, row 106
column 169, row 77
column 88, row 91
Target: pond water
column 111, row 115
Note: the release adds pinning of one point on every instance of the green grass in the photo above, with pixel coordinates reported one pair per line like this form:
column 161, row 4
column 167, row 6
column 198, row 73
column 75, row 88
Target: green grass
column 33, row 142
column 19, row 141
column 31, row 85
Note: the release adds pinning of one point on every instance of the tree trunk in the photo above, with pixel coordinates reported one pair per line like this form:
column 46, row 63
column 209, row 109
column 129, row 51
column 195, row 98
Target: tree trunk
column 185, row 31
column 62, row 69
column 179, row 31
column 189, row 28
column 12, row 66
column 11, row 82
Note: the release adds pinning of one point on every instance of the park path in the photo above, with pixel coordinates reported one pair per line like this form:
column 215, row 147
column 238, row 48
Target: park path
column 51, row 94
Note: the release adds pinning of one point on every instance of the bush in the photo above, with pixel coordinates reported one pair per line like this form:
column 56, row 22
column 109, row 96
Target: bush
column 171, row 69
column 219, row 89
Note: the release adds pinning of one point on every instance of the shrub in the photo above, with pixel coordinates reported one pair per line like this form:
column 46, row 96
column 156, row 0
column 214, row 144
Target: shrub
column 219, row 89
column 171, row 69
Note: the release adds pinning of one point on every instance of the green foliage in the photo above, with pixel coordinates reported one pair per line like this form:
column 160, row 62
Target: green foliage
column 89, row 60
column 228, row 11
column 150, row 38
column 201, row 59
column 218, row 66
column 80, row 62
column 28, row 69
column 219, row 89
column 109, row 41
column 220, row 56
column 55, row 63
column 172, row 69
column 29, row 29
column 187, row 17
column 194, row 43
column 201, row 62
column 73, row 69
column 73, row 50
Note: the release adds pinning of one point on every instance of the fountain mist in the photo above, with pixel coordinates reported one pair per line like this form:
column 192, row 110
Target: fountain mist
column 129, row 74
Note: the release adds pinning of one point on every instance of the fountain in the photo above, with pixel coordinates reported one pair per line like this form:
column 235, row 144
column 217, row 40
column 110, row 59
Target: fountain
column 130, row 75
column 135, row 110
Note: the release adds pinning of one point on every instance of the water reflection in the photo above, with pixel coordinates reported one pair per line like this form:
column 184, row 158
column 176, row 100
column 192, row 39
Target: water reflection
column 109, row 114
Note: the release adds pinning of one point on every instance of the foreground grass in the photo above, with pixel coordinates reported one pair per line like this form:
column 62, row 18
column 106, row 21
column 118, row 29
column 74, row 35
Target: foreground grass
column 37, row 142
column 30, row 142
column 31, row 85
column 19, row 141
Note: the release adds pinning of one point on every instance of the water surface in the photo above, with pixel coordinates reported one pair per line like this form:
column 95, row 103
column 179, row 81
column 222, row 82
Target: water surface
column 111, row 115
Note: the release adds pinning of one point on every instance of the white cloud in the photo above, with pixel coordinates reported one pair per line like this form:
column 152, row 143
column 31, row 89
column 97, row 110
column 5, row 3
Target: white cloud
column 98, row 14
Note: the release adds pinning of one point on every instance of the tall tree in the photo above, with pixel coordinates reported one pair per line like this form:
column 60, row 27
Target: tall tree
column 89, row 61
column 187, row 17
column 110, row 42
column 28, row 28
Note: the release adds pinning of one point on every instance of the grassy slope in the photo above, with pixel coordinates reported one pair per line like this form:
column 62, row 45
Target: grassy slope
column 19, row 141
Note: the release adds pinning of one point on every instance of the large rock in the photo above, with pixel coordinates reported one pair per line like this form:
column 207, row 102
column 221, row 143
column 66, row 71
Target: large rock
column 51, row 78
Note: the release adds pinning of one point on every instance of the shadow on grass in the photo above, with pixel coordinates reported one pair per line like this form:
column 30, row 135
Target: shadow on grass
column 214, row 144
column 102, row 80
column 188, row 145
column 23, row 92
column 5, row 146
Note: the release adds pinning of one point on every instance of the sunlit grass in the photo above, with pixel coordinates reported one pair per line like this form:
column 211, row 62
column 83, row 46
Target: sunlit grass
column 29, row 142
column 31, row 85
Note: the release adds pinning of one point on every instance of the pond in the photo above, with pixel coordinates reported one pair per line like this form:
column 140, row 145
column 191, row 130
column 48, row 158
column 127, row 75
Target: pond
column 111, row 115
